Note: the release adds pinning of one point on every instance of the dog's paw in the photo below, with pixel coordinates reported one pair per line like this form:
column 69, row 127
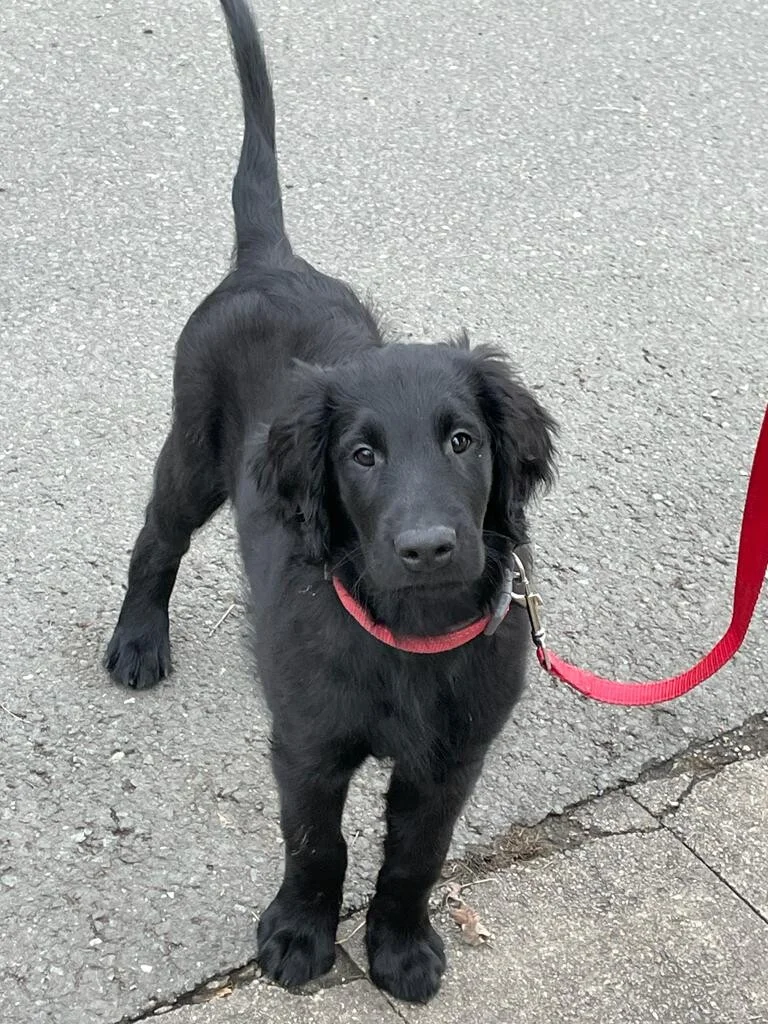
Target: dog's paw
column 295, row 944
column 408, row 965
column 139, row 656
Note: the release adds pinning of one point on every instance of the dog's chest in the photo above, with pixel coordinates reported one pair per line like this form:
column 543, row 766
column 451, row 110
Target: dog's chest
column 394, row 734
column 414, row 715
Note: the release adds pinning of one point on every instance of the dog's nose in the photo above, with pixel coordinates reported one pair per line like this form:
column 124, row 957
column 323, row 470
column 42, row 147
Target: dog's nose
column 425, row 549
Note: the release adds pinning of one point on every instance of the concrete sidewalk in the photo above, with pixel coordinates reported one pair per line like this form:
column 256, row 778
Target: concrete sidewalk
column 647, row 904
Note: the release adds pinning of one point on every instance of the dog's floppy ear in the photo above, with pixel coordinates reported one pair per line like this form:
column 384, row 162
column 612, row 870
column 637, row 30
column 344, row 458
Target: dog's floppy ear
column 290, row 465
column 522, row 435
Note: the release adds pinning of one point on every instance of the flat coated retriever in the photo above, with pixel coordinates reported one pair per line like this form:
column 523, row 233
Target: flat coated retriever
column 379, row 490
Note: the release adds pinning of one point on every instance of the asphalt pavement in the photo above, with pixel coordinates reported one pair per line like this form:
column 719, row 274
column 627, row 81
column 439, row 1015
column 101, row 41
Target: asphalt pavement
column 584, row 184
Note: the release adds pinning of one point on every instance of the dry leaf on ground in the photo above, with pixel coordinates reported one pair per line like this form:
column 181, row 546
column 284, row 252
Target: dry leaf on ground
column 473, row 931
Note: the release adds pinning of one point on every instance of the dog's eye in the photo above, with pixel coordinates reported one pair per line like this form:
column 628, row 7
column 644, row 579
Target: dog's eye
column 460, row 442
column 364, row 457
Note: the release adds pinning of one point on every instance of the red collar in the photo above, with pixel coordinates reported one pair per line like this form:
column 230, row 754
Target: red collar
column 421, row 644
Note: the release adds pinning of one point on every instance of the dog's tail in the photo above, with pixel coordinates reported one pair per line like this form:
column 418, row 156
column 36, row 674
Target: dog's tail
column 256, row 197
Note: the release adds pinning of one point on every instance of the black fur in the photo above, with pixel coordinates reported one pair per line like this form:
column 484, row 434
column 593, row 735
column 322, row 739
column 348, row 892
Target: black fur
column 337, row 450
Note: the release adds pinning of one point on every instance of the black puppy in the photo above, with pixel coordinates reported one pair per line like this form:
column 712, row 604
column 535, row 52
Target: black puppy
column 379, row 490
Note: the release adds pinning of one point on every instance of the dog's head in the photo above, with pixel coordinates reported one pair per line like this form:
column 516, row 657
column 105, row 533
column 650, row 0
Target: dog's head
column 407, row 459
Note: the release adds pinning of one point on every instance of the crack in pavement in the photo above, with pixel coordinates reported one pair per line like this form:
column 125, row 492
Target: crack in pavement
column 393, row 1005
column 704, row 761
column 564, row 831
column 220, row 985
column 740, row 896
column 747, row 743
column 557, row 833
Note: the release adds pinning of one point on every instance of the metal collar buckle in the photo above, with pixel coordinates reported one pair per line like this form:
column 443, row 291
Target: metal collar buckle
column 525, row 598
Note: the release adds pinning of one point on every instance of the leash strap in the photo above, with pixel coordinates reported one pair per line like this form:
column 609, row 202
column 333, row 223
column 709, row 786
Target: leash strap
column 750, row 573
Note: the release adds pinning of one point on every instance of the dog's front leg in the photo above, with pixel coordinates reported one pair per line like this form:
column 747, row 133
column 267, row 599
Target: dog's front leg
column 297, row 932
column 404, row 951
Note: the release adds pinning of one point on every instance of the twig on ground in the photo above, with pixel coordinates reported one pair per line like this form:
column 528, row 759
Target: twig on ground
column 12, row 714
column 226, row 613
column 340, row 942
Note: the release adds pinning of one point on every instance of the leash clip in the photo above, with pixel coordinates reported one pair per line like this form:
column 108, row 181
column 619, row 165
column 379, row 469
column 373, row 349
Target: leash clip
column 533, row 605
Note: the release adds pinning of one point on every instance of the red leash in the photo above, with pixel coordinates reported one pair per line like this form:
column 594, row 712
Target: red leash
column 750, row 573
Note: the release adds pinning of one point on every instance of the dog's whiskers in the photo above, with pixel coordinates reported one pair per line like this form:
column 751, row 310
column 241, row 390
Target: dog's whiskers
column 346, row 559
